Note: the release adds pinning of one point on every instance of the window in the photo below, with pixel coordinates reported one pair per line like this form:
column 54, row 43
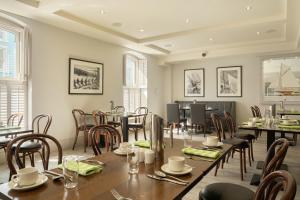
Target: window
column 135, row 83
column 13, row 90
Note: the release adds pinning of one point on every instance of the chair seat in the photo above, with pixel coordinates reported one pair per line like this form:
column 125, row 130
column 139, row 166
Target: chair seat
column 246, row 135
column 237, row 142
column 29, row 145
column 4, row 141
column 226, row 191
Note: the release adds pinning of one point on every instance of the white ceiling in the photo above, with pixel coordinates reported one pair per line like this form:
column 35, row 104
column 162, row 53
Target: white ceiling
column 214, row 26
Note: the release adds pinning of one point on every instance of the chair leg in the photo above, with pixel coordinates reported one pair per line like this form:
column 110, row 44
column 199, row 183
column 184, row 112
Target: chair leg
column 31, row 157
column 244, row 159
column 241, row 164
column 85, row 140
column 136, row 134
column 251, row 145
column 76, row 137
column 217, row 167
column 249, row 155
column 228, row 156
column 223, row 160
column 144, row 129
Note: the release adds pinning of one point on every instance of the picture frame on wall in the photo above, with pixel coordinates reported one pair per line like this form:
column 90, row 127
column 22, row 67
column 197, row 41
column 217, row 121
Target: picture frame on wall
column 229, row 81
column 85, row 77
column 194, row 83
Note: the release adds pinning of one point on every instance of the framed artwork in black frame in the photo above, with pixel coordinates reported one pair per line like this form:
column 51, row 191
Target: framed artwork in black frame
column 229, row 81
column 194, row 82
column 85, row 77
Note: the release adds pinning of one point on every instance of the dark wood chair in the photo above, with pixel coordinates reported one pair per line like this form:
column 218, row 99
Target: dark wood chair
column 13, row 120
column 116, row 121
column 110, row 131
column 139, row 122
column 246, row 135
column 173, row 119
column 80, row 118
column 239, row 145
column 269, row 188
column 14, row 150
column 198, row 117
column 40, row 125
column 101, row 119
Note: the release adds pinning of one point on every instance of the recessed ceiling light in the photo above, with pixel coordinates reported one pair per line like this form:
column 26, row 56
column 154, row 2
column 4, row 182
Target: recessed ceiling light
column 142, row 30
column 102, row 12
column 248, row 8
column 187, row 20
column 211, row 39
column 257, row 33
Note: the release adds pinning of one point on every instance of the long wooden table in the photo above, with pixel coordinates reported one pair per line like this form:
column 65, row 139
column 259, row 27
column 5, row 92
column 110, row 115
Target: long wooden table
column 115, row 175
column 14, row 131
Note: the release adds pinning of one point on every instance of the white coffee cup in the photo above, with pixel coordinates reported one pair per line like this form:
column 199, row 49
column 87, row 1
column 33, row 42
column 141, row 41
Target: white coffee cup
column 176, row 163
column 26, row 176
column 141, row 155
column 149, row 156
column 254, row 119
column 284, row 117
column 286, row 122
column 212, row 140
column 124, row 146
column 251, row 123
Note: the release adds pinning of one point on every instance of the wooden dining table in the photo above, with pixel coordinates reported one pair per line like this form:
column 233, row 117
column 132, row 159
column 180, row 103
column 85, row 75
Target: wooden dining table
column 8, row 131
column 115, row 175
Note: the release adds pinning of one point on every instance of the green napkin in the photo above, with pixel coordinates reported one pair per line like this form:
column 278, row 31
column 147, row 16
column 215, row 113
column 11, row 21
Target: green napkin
column 84, row 169
column 289, row 126
column 203, row 153
column 142, row 143
column 9, row 128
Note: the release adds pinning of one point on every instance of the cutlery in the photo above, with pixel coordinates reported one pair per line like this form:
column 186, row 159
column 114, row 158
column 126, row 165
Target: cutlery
column 56, row 176
column 164, row 175
column 95, row 162
column 166, row 179
column 198, row 158
column 118, row 196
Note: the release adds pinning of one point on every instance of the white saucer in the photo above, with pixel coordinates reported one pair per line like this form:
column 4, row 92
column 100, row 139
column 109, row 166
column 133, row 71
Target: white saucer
column 119, row 152
column 218, row 145
column 187, row 169
column 41, row 180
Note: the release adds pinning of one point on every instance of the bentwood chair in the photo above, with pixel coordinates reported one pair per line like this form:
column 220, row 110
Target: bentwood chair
column 13, row 120
column 246, row 135
column 198, row 117
column 256, row 113
column 239, row 145
column 81, row 125
column 14, row 150
column 269, row 188
column 139, row 122
column 101, row 119
column 226, row 191
column 116, row 121
column 110, row 131
column 40, row 126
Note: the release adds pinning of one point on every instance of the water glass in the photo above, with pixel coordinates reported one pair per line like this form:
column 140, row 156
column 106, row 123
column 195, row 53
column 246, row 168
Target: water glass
column 133, row 159
column 187, row 139
column 70, row 171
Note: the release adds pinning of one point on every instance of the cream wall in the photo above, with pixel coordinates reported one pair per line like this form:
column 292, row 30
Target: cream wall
column 251, row 82
column 51, row 49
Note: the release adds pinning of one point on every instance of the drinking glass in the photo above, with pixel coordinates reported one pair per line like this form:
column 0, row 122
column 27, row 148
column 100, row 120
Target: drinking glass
column 133, row 159
column 187, row 138
column 70, row 171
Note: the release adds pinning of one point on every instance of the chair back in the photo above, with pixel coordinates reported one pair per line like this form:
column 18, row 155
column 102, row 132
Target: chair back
column 253, row 111
column 198, row 113
column 15, row 119
column 13, row 150
column 273, row 162
column 141, row 111
column 257, row 111
column 274, row 183
column 173, row 114
column 230, row 124
column 41, row 123
column 118, row 109
column 99, row 118
column 79, row 118
column 95, row 134
column 218, row 125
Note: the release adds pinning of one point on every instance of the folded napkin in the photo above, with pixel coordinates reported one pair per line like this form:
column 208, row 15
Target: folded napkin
column 84, row 169
column 200, row 152
column 289, row 126
column 9, row 128
column 142, row 143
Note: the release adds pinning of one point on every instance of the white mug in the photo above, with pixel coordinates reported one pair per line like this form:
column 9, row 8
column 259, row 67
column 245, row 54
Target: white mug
column 176, row 163
column 149, row 156
column 285, row 117
column 26, row 176
column 212, row 140
column 251, row 123
column 141, row 155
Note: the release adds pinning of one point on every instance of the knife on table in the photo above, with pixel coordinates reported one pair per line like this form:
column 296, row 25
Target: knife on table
column 166, row 179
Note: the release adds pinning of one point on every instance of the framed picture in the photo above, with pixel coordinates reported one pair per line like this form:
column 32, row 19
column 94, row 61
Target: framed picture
column 85, row 77
column 194, row 82
column 229, row 81
column 281, row 79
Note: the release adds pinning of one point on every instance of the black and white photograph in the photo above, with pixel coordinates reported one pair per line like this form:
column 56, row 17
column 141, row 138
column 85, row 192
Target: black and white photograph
column 229, row 81
column 85, row 77
column 194, row 82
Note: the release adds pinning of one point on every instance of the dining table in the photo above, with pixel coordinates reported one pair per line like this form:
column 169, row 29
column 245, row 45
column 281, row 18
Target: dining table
column 6, row 131
column 114, row 175
column 288, row 112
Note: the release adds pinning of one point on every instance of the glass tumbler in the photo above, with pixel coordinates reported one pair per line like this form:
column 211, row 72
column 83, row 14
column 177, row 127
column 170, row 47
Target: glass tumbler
column 133, row 159
column 70, row 171
column 187, row 138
